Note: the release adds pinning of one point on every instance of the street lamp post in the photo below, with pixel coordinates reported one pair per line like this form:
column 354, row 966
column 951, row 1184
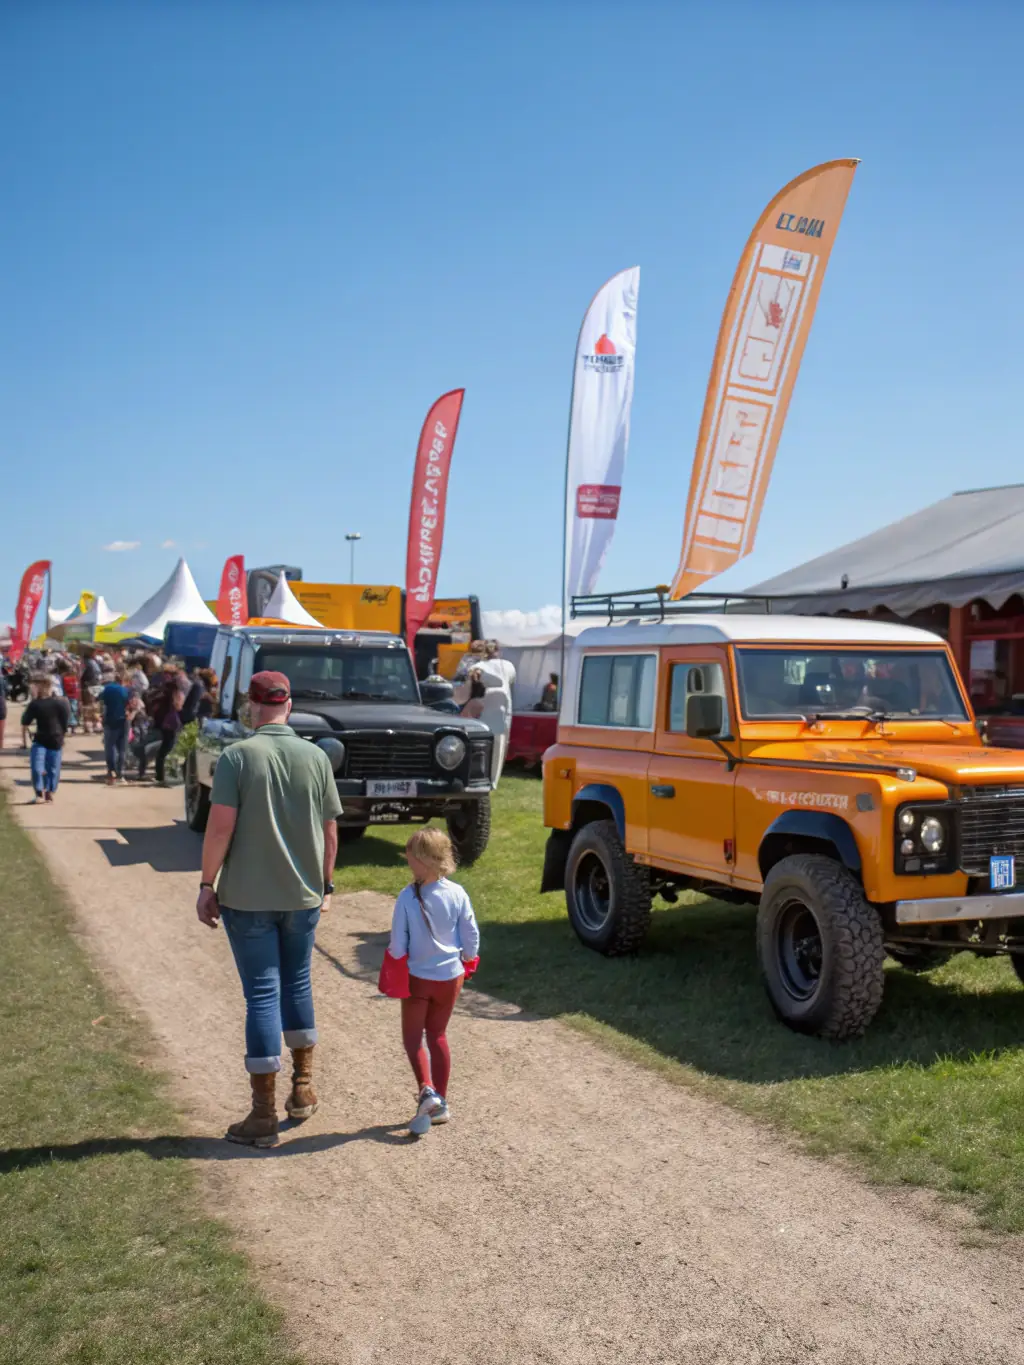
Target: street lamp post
column 352, row 537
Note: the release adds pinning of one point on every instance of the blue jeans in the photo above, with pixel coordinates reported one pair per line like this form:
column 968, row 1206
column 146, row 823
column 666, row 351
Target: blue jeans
column 45, row 765
column 115, row 739
column 273, row 949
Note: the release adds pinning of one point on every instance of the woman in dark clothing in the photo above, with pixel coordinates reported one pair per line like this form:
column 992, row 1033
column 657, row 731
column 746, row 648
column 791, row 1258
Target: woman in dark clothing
column 165, row 713
column 52, row 717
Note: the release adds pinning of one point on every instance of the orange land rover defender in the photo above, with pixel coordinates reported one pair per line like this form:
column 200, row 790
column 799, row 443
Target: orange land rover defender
column 829, row 770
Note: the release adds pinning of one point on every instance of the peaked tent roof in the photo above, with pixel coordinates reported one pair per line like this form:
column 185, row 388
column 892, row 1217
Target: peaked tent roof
column 178, row 600
column 283, row 605
column 99, row 614
column 56, row 616
column 967, row 546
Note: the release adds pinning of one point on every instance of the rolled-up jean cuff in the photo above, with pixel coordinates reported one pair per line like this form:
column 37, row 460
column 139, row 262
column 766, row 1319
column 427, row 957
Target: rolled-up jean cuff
column 262, row 1066
column 300, row 1037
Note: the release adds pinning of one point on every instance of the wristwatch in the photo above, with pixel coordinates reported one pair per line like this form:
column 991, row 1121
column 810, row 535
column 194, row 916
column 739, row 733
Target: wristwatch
column 206, row 886
column 328, row 888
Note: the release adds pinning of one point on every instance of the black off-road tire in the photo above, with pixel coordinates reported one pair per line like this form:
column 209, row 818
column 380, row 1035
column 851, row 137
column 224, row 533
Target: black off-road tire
column 348, row 834
column 470, row 829
column 597, row 854
column 840, row 1001
column 197, row 798
column 923, row 959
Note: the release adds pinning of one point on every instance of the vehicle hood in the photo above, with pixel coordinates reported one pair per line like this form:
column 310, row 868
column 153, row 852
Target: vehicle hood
column 308, row 713
column 955, row 764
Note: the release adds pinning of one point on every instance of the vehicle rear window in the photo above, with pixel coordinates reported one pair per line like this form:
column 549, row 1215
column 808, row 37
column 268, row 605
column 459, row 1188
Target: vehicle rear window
column 618, row 690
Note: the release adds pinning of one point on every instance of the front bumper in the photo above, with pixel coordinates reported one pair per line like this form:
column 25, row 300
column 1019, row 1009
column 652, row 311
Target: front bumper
column 949, row 909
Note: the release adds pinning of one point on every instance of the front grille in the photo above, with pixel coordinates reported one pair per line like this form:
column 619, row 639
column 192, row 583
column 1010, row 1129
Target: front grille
column 991, row 822
column 389, row 753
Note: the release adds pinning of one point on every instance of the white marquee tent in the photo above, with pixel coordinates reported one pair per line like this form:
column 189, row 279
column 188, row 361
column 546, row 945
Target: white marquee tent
column 535, row 655
column 178, row 600
column 283, row 605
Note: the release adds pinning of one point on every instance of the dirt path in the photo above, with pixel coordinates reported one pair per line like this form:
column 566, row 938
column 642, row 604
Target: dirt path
column 579, row 1210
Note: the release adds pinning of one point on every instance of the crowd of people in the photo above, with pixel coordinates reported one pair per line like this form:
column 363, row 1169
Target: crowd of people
column 138, row 701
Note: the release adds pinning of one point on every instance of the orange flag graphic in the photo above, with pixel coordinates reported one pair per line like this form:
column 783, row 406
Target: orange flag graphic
column 760, row 344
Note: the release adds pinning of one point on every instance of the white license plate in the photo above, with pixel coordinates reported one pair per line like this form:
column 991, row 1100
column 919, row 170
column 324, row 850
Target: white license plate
column 391, row 790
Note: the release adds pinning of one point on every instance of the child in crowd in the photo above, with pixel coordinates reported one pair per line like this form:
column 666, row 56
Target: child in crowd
column 434, row 924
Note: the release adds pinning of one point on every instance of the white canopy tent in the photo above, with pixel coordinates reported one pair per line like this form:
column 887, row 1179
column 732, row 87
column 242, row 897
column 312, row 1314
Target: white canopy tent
column 178, row 600
column 535, row 656
column 283, row 605
column 81, row 625
column 56, row 616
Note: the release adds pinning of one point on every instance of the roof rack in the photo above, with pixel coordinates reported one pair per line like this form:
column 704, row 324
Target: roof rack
column 655, row 604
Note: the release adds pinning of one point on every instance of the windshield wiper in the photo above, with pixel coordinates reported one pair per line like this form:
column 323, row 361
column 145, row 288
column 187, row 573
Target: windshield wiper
column 315, row 692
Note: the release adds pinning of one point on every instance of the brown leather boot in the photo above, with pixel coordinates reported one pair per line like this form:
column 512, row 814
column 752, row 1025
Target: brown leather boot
column 259, row 1128
column 302, row 1102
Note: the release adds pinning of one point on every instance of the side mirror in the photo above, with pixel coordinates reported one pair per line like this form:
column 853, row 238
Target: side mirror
column 704, row 715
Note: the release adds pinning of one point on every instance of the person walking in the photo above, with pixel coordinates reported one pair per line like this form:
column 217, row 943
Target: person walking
column 114, row 699
column 434, row 926
column 3, row 706
column 164, row 702
column 498, row 677
column 52, row 718
column 89, row 686
column 272, row 840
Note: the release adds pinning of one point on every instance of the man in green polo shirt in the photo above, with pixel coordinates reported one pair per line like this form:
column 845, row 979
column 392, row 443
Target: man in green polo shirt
column 273, row 839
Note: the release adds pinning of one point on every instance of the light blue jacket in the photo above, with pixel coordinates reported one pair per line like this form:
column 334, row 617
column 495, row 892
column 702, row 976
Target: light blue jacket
column 438, row 935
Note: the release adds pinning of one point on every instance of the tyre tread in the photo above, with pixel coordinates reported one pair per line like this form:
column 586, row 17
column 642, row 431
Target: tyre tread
column 857, row 936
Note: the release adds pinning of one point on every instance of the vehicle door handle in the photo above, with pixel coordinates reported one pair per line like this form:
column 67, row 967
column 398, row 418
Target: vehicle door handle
column 663, row 792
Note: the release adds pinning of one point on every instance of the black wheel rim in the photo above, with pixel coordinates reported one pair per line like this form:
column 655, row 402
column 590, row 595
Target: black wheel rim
column 592, row 893
column 799, row 950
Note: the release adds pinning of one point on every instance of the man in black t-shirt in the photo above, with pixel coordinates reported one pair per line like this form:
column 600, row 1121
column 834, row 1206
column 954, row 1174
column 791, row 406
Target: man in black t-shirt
column 51, row 716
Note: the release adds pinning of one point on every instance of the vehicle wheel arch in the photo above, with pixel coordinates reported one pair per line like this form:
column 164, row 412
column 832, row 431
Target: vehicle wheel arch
column 599, row 801
column 809, row 831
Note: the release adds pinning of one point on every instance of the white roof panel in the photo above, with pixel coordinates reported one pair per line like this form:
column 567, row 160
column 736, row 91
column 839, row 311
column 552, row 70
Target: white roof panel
column 735, row 628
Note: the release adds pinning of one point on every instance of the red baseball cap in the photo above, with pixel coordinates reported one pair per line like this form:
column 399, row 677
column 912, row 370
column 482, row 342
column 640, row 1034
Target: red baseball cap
column 269, row 689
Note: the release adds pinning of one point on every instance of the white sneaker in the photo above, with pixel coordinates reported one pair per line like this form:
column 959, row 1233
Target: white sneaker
column 429, row 1100
column 440, row 1113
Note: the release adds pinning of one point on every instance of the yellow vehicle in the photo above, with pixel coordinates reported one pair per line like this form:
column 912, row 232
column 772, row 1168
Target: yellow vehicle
column 829, row 770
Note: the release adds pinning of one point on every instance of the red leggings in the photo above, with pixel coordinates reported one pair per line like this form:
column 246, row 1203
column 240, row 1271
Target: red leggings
column 429, row 1008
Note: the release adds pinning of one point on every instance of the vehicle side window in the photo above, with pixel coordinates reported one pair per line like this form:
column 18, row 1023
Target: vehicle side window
column 688, row 679
column 618, row 690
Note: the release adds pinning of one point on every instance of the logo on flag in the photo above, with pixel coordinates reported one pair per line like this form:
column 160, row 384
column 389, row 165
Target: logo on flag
column 598, row 501
column 605, row 359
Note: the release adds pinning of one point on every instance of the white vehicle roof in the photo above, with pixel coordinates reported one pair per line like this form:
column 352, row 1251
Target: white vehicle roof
column 752, row 628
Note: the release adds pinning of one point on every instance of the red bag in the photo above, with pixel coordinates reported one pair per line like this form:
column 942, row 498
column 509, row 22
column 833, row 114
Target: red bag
column 470, row 964
column 394, row 977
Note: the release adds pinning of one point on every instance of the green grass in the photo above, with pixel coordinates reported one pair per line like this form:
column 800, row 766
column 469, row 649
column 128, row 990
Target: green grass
column 932, row 1096
column 105, row 1254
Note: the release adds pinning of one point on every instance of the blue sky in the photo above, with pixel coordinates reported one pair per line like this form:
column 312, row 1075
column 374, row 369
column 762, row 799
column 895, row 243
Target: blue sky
column 244, row 246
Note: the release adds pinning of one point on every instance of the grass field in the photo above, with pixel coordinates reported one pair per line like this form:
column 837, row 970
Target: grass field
column 105, row 1257
column 932, row 1096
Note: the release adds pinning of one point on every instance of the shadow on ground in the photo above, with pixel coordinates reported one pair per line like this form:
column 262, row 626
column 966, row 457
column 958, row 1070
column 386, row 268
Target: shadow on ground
column 694, row 994
column 196, row 1148
column 166, row 848
column 370, row 851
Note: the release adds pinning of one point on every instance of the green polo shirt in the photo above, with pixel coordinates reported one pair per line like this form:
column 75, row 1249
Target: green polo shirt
column 283, row 789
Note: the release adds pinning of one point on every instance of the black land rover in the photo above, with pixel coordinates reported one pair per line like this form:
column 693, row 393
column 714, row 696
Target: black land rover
column 395, row 760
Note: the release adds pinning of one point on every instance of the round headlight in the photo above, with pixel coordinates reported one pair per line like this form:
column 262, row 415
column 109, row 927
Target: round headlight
column 907, row 847
column 335, row 751
column 450, row 751
column 906, row 821
column 932, row 835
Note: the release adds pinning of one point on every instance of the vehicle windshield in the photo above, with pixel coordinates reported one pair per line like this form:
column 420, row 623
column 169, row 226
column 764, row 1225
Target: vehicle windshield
column 798, row 684
column 340, row 672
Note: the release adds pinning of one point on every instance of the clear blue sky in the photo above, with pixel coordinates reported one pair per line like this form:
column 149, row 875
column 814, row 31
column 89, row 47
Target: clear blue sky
column 244, row 245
